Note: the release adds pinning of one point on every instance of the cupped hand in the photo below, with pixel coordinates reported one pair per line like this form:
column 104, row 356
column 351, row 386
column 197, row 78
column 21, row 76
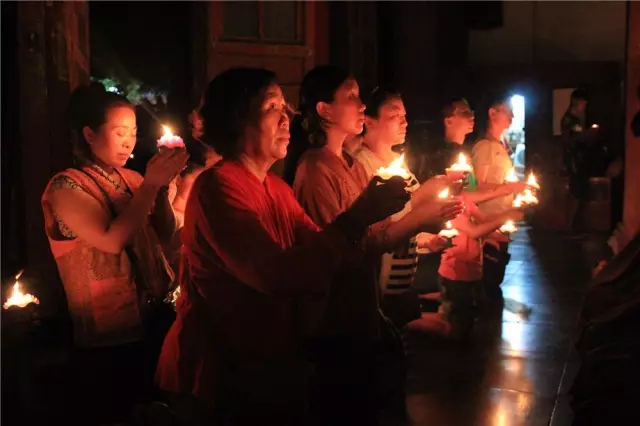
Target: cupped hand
column 437, row 211
column 381, row 199
column 165, row 166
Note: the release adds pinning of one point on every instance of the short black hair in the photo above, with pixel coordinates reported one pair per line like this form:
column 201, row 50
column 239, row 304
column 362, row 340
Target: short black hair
column 88, row 107
column 229, row 106
column 450, row 106
column 378, row 97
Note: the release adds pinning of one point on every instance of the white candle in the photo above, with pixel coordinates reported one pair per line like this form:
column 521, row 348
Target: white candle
column 508, row 227
column 18, row 298
column 396, row 168
column 169, row 140
column 449, row 231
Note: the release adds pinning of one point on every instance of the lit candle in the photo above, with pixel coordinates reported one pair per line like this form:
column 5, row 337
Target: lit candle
column 595, row 126
column 461, row 165
column 131, row 156
column 449, row 231
column 396, row 168
column 444, row 194
column 18, row 298
column 511, row 176
column 175, row 295
column 508, row 227
column 169, row 140
column 526, row 198
column 532, row 182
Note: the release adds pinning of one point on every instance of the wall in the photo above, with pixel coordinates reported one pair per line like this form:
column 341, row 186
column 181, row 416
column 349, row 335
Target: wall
column 543, row 31
column 632, row 154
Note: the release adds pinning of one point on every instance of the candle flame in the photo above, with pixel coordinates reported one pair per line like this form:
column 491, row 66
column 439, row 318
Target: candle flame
column 508, row 227
column 449, row 231
column 444, row 194
column 396, row 168
column 531, row 181
column 511, row 176
column 167, row 131
column 462, row 165
column 18, row 298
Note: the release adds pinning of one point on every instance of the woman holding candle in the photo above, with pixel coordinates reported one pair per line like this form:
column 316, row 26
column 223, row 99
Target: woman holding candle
column 327, row 181
column 251, row 257
column 105, row 225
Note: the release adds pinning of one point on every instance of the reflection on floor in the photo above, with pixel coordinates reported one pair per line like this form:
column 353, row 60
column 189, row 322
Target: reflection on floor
column 519, row 365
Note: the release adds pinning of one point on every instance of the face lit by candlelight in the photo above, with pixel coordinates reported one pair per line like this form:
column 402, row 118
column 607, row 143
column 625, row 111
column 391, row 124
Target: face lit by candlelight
column 113, row 142
column 462, row 119
column 272, row 128
column 501, row 116
column 390, row 126
column 346, row 112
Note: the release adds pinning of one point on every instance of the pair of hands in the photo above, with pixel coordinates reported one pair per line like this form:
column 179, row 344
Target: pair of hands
column 382, row 198
column 165, row 166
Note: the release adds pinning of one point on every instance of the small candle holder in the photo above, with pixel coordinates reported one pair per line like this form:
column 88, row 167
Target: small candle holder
column 169, row 140
column 396, row 168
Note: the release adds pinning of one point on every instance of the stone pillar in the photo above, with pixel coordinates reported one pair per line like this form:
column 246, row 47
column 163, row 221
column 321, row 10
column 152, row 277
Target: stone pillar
column 632, row 151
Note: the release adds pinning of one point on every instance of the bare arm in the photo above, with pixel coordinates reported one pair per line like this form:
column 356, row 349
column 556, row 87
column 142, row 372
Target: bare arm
column 88, row 220
column 163, row 218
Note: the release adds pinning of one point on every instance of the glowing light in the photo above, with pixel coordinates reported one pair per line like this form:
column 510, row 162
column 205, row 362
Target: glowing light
column 508, row 228
column 462, row 165
column 396, row 168
column 18, row 298
column 511, row 176
column 169, row 140
column 444, row 194
column 449, row 231
column 531, row 181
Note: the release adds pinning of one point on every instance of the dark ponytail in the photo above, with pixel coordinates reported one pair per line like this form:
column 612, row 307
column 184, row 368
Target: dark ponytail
column 308, row 130
column 88, row 107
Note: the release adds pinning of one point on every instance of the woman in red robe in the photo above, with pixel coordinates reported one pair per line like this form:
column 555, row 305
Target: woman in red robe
column 250, row 255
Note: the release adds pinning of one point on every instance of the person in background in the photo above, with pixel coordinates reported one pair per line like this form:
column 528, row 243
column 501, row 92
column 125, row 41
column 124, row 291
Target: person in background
column 577, row 144
column 457, row 122
column 386, row 128
column 251, row 257
column 492, row 163
column 105, row 226
column 327, row 181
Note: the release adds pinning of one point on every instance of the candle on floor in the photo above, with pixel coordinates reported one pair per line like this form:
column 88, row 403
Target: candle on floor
column 18, row 298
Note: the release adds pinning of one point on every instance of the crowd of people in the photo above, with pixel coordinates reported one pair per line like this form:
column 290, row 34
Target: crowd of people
column 293, row 289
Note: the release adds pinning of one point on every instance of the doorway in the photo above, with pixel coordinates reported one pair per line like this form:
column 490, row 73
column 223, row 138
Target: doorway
column 515, row 134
